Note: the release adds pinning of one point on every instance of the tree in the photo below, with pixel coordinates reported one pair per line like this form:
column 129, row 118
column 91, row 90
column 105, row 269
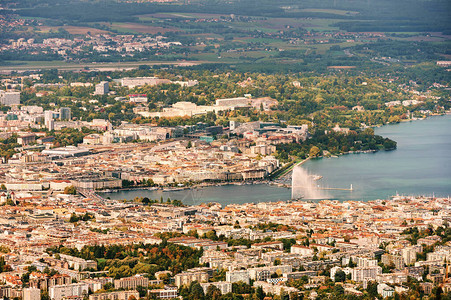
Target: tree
column 193, row 232
column 2, row 264
column 70, row 190
column 196, row 291
column 314, row 151
column 259, row 293
column 141, row 290
column 211, row 235
column 340, row 276
column 74, row 218
column 213, row 293
column 339, row 290
column 287, row 243
column 45, row 295
column 372, row 289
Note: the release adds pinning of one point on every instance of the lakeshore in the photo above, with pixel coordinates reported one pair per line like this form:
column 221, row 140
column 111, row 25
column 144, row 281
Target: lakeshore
column 420, row 166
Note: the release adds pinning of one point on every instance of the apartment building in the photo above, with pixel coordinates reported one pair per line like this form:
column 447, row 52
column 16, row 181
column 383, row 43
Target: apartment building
column 58, row 292
column 409, row 254
column 102, row 88
column 236, row 276
column 186, row 278
column 9, row 98
column 391, row 259
column 168, row 292
column 224, row 286
column 31, row 294
column 365, row 273
column 120, row 295
column 131, row 283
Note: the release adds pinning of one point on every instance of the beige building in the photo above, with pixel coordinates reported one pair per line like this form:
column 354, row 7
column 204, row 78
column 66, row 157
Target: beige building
column 31, row 294
column 97, row 183
column 224, row 286
column 132, row 82
column 9, row 98
column 391, row 259
column 409, row 254
column 59, row 292
column 302, row 250
column 166, row 293
column 186, row 278
column 236, row 276
column 120, row 295
column 131, row 282
column 365, row 273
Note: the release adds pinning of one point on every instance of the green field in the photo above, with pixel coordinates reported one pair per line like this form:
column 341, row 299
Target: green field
column 330, row 11
column 61, row 65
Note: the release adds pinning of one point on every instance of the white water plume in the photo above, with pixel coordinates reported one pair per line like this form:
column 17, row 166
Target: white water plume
column 303, row 185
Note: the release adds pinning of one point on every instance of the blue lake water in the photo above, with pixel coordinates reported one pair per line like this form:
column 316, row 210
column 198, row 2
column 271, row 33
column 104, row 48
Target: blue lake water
column 420, row 166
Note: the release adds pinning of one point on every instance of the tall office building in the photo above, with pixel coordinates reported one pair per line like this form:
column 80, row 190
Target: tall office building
column 65, row 113
column 9, row 98
column 48, row 119
column 102, row 88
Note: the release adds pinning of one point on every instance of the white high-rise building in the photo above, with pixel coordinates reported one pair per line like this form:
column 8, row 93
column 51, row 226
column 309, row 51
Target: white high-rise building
column 31, row 294
column 65, row 113
column 9, row 98
column 102, row 88
column 365, row 273
column 58, row 292
column 48, row 119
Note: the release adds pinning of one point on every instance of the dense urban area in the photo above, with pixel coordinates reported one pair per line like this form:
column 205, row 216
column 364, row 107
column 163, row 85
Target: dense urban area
column 98, row 97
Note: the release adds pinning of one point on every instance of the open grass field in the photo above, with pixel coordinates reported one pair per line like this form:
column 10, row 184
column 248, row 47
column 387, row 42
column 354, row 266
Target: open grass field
column 84, row 30
column 76, row 30
column 61, row 65
column 331, row 11
column 185, row 15
column 140, row 28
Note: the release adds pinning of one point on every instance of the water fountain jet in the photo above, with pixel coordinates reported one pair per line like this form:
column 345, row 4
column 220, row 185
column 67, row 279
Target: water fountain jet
column 303, row 185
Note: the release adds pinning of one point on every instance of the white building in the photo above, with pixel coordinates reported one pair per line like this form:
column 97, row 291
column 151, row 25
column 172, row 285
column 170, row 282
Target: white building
column 363, row 273
column 269, row 288
column 264, row 273
column 410, row 102
column 385, row 290
column 68, row 151
column 9, row 98
column 138, row 98
column 187, row 83
column 409, row 254
column 132, row 82
column 31, row 294
column 102, row 88
column 233, row 102
column 65, row 113
column 302, row 250
column 59, row 292
column 59, row 185
column 49, row 117
column 224, row 286
column 334, row 271
column 236, row 276
column 364, row 261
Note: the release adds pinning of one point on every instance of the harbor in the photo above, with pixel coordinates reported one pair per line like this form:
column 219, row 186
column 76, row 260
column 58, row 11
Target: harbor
column 373, row 176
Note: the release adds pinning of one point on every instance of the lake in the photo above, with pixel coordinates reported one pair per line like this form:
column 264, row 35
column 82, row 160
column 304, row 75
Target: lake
column 420, row 166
